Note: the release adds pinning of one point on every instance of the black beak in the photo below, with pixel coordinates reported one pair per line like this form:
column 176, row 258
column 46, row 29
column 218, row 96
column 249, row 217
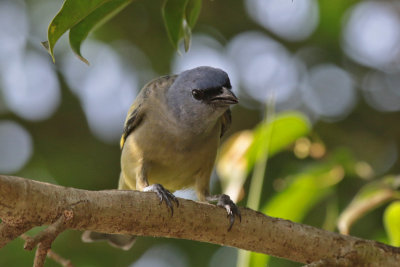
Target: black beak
column 226, row 97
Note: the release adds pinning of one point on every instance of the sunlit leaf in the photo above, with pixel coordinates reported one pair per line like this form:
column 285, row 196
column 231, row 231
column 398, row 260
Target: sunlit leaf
column 239, row 153
column 232, row 164
column 391, row 219
column 304, row 191
column 275, row 136
column 368, row 198
column 80, row 31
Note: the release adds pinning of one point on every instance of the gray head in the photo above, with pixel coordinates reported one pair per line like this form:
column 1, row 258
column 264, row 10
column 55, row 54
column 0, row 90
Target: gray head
column 200, row 96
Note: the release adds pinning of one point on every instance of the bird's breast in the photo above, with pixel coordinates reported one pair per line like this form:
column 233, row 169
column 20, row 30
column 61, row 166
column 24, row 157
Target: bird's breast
column 173, row 157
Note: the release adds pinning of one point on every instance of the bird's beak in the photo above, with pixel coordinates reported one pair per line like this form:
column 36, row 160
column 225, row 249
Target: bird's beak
column 226, row 97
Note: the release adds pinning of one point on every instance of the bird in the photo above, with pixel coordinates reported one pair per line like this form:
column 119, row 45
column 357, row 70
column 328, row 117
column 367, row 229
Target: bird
column 170, row 140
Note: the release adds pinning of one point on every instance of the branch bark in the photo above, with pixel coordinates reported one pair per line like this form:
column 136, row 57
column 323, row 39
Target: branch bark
column 26, row 203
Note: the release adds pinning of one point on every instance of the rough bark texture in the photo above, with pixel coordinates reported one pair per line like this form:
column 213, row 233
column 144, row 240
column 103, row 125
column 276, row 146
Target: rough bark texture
column 26, row 203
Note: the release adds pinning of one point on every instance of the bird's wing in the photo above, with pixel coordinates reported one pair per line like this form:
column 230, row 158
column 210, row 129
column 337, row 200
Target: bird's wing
column 226, row 121
column 137, row 110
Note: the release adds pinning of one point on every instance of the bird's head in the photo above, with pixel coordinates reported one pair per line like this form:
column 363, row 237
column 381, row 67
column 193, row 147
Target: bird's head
column 201, row 94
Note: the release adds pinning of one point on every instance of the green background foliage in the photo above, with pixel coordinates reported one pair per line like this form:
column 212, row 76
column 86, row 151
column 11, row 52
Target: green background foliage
column 311, row 169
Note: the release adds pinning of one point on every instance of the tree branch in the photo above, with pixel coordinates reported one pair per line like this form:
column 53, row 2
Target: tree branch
column 9, row 232
column 51, row 254
column 27, row 202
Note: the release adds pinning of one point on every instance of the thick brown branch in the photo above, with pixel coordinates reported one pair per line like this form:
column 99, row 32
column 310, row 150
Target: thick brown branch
column 9, row 232
column 138, row 213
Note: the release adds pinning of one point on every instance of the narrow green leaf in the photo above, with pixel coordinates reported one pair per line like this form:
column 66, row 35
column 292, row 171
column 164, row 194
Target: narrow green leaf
column 80, row 31
column 269, row 137
column 286, row 128
column 304, row 191
column 174, row 14
column 370, row 197
column 71, row 13
column 391, row 219
column 193, row 12
column 241, row 151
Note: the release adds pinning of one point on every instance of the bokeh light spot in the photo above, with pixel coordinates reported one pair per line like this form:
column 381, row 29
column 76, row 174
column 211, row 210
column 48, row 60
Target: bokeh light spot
column 329, row 91
column 317, row 150
column 381, row 91
column 30, row 86
column 265, row 67
column 364, row 170
column 302, row 147
column 15, row 147
column 224, row 257
column 162, row 256
column 13, row 31
column 292, row 20
column 106, row 89
column 372, row 34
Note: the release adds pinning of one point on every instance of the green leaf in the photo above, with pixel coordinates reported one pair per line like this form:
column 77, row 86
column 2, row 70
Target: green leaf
column 391, row 219
column 304, row 191
column 71, row 13
column 275, row 136
column 80, row 17
column 177, row 22
column 247, row 148
column 194, row 7
column 174, row 15
column 80, row 31
column 240, row 152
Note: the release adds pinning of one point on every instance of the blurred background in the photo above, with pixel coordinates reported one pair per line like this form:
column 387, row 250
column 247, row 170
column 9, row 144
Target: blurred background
column 335, row 64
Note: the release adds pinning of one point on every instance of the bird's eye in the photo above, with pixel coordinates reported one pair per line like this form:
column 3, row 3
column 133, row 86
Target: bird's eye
column 197, row 94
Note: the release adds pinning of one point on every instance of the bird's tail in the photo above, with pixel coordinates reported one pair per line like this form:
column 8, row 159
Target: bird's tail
column 124, row 242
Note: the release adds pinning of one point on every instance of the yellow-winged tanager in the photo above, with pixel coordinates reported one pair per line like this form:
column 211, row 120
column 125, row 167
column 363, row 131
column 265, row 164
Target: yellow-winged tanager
column 170, row 139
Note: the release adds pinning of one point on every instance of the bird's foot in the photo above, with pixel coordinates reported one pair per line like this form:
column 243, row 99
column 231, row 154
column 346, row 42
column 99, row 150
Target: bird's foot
column 230, row 207
column 164, row 195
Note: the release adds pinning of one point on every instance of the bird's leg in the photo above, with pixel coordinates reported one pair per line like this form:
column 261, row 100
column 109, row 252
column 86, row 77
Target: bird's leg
column 222, row 200
column 164, row 195
column 230, row 207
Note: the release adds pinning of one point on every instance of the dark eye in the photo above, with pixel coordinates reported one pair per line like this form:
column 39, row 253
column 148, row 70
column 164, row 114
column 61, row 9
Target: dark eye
column 197, row 94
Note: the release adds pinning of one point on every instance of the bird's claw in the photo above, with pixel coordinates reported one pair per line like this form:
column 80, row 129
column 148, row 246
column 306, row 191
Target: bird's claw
column 164, row 195
column 231, row 209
